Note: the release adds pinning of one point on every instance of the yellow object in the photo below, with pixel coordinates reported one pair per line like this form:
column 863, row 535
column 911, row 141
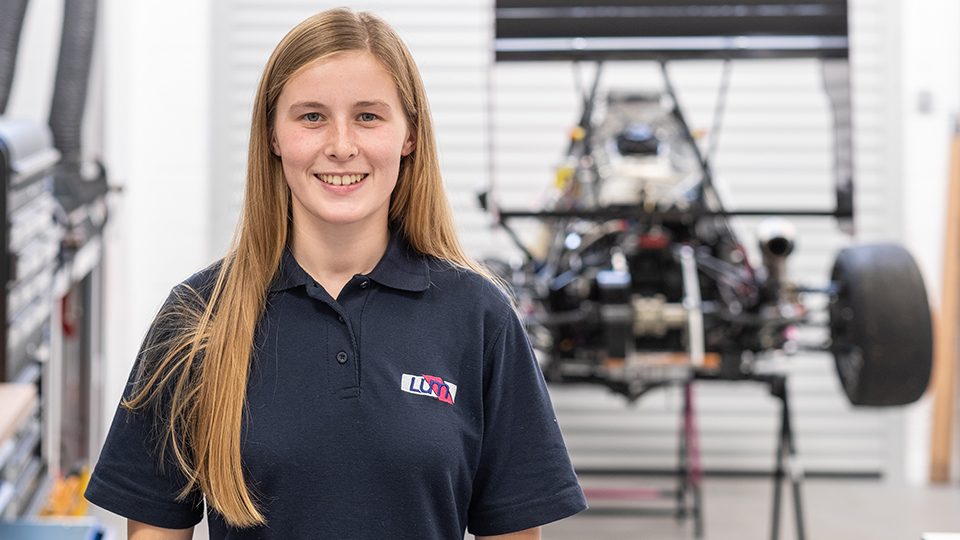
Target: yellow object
column 564, row 178
column 66, row 496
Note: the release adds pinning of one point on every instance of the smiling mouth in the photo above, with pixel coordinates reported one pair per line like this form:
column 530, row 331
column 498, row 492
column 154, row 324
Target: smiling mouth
column 340, row 180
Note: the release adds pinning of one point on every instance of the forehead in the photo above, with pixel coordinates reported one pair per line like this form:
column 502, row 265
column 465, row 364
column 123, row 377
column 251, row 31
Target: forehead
column 353, row 73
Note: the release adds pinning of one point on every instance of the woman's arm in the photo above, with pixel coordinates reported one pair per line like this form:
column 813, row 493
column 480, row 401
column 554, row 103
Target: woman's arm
column 529, row 534
column 142, row 531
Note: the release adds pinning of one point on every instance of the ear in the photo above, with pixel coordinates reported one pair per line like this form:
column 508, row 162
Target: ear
column 274, row 145
column 410, row 144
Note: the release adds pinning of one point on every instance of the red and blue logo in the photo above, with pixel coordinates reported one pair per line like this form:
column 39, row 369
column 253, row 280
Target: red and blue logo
column 426, row 385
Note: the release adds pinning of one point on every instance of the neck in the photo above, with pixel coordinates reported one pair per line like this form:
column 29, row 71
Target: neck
column 334, row 256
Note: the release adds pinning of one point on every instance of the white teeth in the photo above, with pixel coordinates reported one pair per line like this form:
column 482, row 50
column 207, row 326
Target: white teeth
column 340, row 180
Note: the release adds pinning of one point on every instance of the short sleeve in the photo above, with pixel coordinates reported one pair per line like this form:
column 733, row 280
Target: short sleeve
column 525, row 478
column 131, row 478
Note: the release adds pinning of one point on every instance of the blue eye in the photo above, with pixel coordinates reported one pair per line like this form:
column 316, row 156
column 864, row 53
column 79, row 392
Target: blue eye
column 312, row 117
column 367, row 117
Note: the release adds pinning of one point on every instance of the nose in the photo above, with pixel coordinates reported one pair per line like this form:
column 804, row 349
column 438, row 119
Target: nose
column 341, row 143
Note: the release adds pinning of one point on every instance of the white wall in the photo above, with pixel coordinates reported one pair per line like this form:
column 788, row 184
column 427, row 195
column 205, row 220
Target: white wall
column 929, row 103
column 156, row 148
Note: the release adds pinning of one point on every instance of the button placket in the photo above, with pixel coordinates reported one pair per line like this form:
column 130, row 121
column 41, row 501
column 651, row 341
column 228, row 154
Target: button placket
column 343, row 355
column 344, row 372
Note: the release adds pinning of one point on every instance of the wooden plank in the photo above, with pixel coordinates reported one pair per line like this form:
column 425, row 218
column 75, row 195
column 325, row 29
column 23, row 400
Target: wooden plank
column 945, row 331
column 17, row 401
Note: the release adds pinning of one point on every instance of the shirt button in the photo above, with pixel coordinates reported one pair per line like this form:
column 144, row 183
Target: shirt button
column 364, row 284
column 342, row 357
column 342, row 320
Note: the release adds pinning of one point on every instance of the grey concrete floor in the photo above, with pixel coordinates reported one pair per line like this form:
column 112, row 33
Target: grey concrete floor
column 740, row 509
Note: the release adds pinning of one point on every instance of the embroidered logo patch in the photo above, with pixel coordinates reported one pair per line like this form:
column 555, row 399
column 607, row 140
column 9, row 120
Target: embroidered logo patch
column 425, row 385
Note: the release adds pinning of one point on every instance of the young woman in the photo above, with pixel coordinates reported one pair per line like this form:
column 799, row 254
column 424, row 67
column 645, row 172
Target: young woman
column 345, row 371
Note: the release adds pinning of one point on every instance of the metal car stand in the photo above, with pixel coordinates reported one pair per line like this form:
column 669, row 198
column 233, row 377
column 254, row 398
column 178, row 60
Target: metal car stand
column 687, row 496
column 691, row 470
column 787, row 462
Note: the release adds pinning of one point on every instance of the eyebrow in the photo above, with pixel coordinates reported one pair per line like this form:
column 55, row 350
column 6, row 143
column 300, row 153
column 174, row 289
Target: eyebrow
column 318, row 105
column 307, row 105
column 378, row 103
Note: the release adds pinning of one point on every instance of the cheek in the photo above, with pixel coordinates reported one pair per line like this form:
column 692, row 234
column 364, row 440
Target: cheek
column 292, row 150
column 392, row 151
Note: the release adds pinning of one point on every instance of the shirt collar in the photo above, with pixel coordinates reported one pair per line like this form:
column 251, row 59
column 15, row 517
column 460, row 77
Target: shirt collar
column 290, row 274
column 400, row 268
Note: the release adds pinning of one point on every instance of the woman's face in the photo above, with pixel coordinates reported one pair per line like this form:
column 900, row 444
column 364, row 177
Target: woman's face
column 340, row 132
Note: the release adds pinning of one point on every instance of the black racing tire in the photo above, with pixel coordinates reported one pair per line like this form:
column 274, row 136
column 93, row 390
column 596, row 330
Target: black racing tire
column 880, row 326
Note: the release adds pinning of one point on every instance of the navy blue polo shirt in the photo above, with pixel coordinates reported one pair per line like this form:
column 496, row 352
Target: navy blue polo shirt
column 411, row 406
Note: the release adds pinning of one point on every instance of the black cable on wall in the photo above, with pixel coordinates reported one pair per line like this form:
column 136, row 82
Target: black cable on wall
column 73, row 74
column 11, row 23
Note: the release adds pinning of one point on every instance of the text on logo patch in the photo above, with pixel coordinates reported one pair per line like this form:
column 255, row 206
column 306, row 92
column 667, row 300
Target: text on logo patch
column 426, row 385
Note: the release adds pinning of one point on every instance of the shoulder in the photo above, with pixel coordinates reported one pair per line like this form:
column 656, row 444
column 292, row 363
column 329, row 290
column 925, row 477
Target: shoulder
column 474, row 296
column 204, row 279
column 466, row 285
column 177, row 320
column 196, row 289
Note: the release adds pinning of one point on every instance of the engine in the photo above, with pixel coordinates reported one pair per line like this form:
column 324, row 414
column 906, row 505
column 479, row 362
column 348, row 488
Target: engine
column 663, row 291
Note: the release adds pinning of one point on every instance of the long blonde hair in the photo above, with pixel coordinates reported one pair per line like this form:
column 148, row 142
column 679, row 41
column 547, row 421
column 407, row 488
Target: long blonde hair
column 194, row 375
